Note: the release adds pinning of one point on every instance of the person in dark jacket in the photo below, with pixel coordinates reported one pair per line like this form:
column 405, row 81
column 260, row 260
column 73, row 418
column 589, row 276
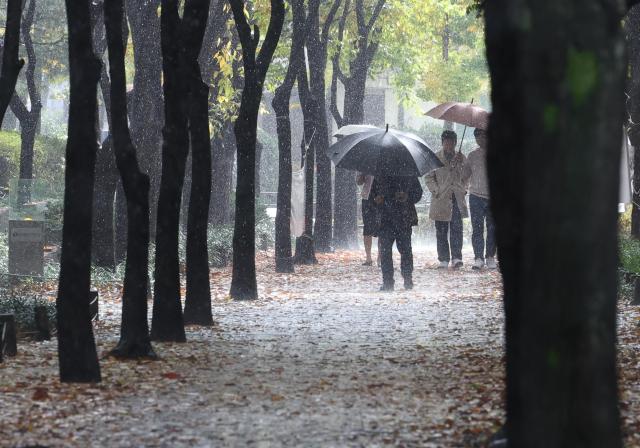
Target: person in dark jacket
column 397, row 197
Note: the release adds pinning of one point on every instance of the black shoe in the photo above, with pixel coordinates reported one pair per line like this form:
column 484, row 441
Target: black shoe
column 367, row 263
column 408, row 284
column 387, row 287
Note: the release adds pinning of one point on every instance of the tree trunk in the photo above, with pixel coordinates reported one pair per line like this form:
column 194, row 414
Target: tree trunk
column 284, row 261
column 305, row 252
column 77, row 354
column 281, row 106
column 557, row 75
column 11, row 65
column 167, row 322
column 224, row 151
column 243, row 282
column 103, row 247
column 134, row 333
column 632, row 28
column 145, row 111
column 198, row 296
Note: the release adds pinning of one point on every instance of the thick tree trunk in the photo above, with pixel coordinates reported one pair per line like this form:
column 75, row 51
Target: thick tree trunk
column 167, row 322
column 305, row 251
column 224, row 152
column 244, row 285
column 557, row 74
column 77, row 354
column 145, row 111
column 103, row 247
column 281, row 106
column 243, row 282
column 134, row 333
column 632, row 28
column 284, row 261
column 198, row 296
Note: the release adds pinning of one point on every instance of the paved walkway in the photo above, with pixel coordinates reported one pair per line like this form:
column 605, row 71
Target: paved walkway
column 322, row 359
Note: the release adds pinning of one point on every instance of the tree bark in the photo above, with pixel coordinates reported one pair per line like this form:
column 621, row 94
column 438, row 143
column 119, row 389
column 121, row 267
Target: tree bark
column 11, row 64
column 103, row 248
column 632, row 28
column 145, row 109
column 198, row 296
column 345, row 209
column 557, row 74
column 77, row 354
column 317, row 45
column 281, row 106
column 29, row 118
column 134, row 332
column 224, row 151
column 305, row 251
column 167, row 321
column 243, row 282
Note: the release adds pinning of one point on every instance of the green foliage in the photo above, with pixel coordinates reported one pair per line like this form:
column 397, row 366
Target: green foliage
column 582, row 75
column 49, row 158
column 23, row 309
column 220, row 245
column 629, row 254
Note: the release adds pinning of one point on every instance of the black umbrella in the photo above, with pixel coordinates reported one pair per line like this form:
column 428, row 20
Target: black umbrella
column 383, row 152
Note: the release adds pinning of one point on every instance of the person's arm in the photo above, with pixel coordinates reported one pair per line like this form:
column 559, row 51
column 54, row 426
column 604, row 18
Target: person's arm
column 432, row 183
column 467, row 170
column 415, row 190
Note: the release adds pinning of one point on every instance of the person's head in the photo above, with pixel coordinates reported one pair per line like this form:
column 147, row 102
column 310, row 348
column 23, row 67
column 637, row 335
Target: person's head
column 481, row 137
column 449, row 140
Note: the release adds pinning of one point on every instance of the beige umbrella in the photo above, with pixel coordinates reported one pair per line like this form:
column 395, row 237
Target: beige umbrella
column 464, row 113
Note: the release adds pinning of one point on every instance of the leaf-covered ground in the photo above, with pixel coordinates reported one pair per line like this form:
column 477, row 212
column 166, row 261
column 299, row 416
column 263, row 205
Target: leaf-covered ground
column 321, row 359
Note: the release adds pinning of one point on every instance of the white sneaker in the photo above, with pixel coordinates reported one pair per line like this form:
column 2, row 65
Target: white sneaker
column 491, row 263
column 443, row 265
column 457, row 263
column 478, row 264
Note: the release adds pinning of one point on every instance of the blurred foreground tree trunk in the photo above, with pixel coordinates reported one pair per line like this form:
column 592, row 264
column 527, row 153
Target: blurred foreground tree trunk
column 77, row 354
column 281, row 106
column 11, row 65
column 134, row 333
column 557, row 75
column 346, row 204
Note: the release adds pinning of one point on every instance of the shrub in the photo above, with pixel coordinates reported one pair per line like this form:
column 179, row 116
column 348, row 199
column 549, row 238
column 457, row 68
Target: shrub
column 629, row 254
column 23, row 308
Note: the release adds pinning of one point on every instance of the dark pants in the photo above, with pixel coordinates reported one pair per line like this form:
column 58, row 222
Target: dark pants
column 454, row 231
column 403, row 243
column 481, row 213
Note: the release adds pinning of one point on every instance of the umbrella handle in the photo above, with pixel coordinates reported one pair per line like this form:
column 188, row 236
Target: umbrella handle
column 464, row 132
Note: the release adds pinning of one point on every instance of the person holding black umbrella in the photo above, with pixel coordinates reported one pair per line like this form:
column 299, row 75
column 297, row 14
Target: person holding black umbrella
column 397, row 197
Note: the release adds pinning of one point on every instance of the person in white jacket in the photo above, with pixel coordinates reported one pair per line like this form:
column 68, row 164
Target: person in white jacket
column 476, row 170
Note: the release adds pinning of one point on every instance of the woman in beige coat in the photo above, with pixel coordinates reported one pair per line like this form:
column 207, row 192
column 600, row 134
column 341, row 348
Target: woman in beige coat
column 448, row 186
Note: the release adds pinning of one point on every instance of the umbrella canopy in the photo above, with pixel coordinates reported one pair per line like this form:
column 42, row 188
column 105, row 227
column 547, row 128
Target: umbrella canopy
column 384, row 153
column 463, row 113
column 353, row 129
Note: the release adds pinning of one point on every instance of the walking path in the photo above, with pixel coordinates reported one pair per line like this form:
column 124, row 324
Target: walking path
column 322, row 359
